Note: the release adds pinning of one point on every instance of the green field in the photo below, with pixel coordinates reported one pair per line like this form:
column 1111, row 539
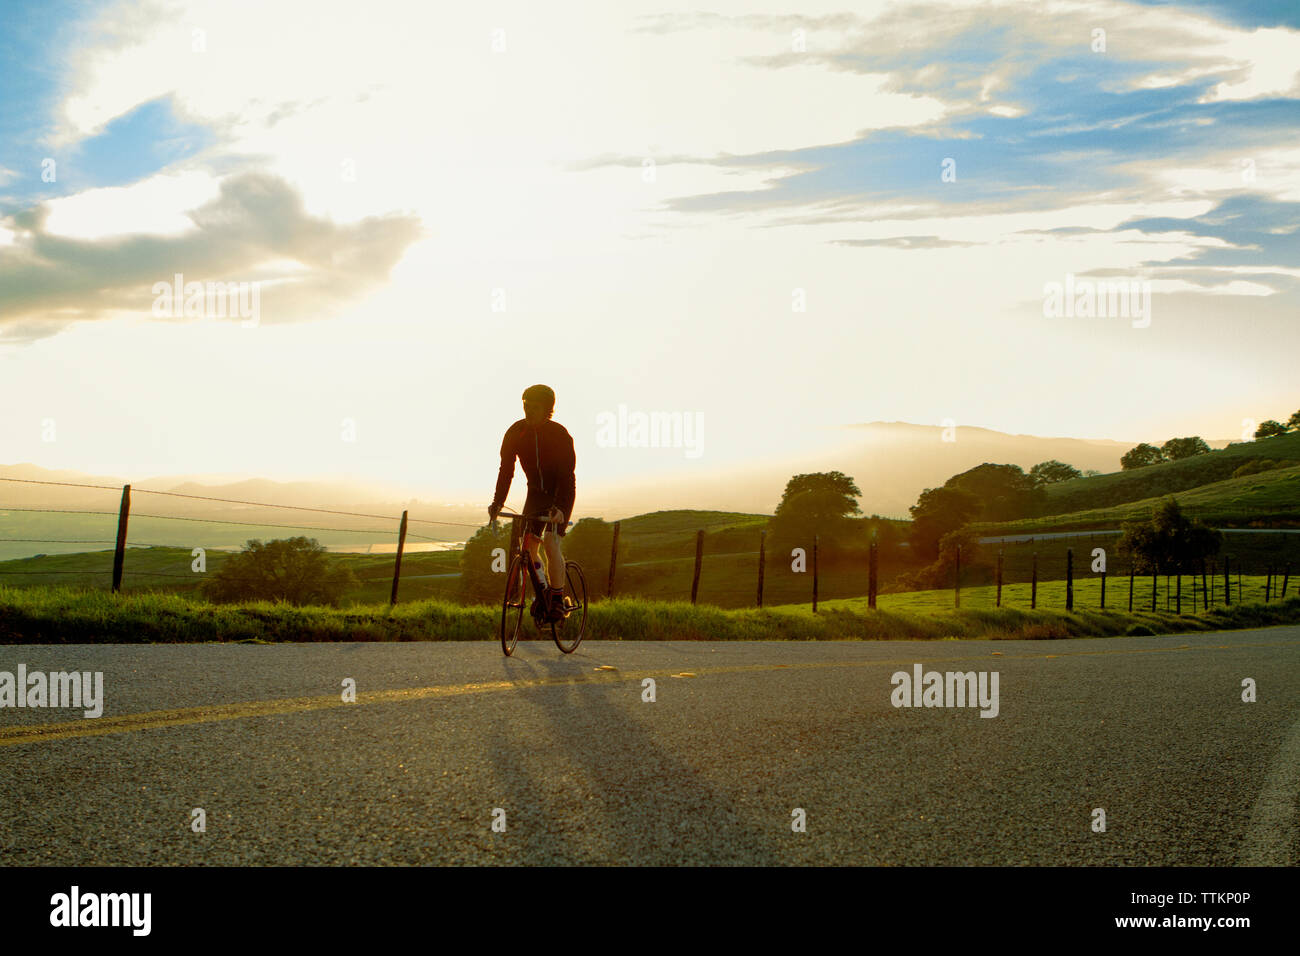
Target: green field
column 727, row 579
column 1268, row 499
column 1102, row 492
column 169, row 570
column 65, row 615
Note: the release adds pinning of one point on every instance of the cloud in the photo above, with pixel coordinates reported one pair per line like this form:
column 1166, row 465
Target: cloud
column 256, row 230
column 905, row 242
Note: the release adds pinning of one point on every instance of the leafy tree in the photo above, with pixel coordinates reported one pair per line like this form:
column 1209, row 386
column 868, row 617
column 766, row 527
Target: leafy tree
column 1177, row 449
column 1293, row 423
column 1049, row 472
column 941, row 573
column 821, row 503
column 1169, row 540
column 886, row 534
column 482, row 568
column 1270, row 429
column 1003, row 491
column 295, row 570
column 1139, row 456
column 588, row 542
column 937, row 512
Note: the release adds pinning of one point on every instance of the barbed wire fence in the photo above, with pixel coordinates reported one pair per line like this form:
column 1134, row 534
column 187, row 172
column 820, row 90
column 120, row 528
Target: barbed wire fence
column 799, row 578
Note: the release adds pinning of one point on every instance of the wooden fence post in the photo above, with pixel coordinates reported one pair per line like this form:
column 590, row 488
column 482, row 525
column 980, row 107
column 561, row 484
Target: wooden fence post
column 1155, row 586
column 1069, row 579
column 814, row 574
column 1033, row 585
column 1103, row 590
column 1130, row 587
column 1227, row 583
column 699, row 560
column 872, row 565
column 1178, row 601
column 762, row 559
column 1286, row 579
column 957, row 577
column 397, row 565
column 119, row 554
column 999, row 604
column 613, row 560
column 1268, row 583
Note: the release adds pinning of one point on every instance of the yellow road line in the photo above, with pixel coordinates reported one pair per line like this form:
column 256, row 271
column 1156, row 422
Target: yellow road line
column 41, row 733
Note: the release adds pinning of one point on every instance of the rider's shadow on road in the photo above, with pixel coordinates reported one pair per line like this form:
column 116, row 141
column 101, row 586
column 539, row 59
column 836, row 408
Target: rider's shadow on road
column 596, row 784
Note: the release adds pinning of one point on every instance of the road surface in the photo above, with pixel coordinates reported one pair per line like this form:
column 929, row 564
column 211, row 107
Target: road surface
column 1152, row 731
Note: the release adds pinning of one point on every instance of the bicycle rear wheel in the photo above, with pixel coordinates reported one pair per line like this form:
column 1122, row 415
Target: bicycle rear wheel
column 570, row 629
column 512, row 605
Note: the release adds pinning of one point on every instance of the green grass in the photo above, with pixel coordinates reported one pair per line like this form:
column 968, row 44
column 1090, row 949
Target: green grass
column 1271, row 496
column 170, row 570
column 1122, row 487
column 67, row 615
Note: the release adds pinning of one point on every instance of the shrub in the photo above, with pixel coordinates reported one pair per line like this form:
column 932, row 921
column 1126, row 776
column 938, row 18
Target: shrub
column 295, row 570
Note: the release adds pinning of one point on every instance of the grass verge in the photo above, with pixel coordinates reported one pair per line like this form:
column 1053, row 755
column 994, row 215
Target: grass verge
column 70, row 616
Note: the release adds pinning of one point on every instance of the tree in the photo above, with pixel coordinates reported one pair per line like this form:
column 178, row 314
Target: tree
column 1052, row 471
column 1168, row 541
column 821, row 503
column 942, row 572
column 295, row 570
column 1091, row 473
column 1139, row 456
column 1003, row 491
column 588, row 543
column 1270, row 429
column 483, row 567
column 937, row 512
column 1293, row 423
column 1177, row 449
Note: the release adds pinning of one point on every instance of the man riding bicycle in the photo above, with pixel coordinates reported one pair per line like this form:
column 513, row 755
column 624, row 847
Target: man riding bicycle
column 545, row 450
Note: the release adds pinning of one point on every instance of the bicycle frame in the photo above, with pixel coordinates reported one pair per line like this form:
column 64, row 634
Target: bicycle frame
column 539, row 586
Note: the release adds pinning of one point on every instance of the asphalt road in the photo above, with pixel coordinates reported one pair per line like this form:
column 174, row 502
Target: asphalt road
column 1151, row 730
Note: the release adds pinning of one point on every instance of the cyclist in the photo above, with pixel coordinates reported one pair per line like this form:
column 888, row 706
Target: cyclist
column 545, row 450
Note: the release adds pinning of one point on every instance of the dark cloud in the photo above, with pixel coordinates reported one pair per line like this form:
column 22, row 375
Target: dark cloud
column 256, row 224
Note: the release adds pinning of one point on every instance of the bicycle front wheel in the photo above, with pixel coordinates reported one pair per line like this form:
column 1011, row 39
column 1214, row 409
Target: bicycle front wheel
column 569, row 630
column 512, row 606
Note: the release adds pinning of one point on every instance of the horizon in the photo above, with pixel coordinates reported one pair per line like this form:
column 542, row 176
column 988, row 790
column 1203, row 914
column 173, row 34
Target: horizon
column 615, row 500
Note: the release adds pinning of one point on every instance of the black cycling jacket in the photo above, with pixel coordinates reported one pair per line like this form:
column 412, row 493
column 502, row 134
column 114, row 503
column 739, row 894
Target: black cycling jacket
column 546, row 452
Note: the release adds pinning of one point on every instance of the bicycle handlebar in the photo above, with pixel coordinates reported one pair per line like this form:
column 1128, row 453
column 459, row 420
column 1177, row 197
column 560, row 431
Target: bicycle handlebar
column 542, row 518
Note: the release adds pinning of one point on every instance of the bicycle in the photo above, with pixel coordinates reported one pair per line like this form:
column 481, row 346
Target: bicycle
column 568, row 626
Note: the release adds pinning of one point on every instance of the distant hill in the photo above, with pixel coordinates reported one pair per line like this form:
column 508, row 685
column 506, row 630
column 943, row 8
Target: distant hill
column 1270, row 499
column 47, row 511
column 1120, row 487
column 892, row 462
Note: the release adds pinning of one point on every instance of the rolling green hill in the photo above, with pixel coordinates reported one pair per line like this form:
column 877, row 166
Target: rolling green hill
column 1267, row 499
column 1122, row 487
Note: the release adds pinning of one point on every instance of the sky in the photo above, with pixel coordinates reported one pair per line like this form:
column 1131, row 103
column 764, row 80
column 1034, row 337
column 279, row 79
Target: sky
column 773, row 219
